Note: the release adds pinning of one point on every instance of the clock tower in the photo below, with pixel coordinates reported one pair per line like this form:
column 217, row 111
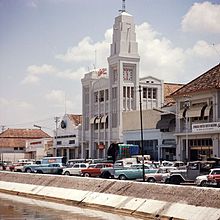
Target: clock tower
column 123, row 73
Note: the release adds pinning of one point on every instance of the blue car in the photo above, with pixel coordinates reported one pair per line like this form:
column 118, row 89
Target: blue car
column 134, row 172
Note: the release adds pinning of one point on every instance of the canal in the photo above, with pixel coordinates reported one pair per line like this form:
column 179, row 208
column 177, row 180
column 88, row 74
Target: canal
column 22, row 208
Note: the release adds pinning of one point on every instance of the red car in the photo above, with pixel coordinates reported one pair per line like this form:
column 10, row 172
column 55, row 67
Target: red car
column 214, row 177
column 95, row 171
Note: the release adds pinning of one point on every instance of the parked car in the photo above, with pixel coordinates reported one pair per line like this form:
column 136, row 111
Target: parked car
column 95, row 171
column 160, row 175
column 214, row 177
column 135, row 171
column 201, row 180
column 75, row 169
column 52, row 168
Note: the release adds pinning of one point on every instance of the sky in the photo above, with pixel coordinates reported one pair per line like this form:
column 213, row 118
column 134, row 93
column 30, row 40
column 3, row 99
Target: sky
column 46, row 47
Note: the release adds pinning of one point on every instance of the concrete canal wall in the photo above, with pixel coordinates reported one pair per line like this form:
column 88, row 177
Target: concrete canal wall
column 159, row 201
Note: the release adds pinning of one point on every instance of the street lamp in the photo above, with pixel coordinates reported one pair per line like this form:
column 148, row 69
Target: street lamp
column 142, row 140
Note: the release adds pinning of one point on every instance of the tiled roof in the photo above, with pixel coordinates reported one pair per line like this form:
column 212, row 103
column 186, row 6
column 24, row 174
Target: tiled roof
column 76, row 119
column 12, row 142
column 169, row 88
column 207, row 81
column 24, row 133
column 17, row 137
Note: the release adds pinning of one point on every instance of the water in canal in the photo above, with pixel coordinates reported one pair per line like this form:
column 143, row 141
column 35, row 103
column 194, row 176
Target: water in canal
column 20, row 208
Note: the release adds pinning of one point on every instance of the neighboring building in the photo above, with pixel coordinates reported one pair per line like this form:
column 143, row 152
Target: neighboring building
column 39, row 148
column 151, row 135
column 13, row 143
column 67, row 137
column 198, row 117
column 107, row 95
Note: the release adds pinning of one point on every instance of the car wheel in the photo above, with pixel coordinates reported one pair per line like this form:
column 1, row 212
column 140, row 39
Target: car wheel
column 175, row 180
column 39, row 171
column 203, row 183
column 122, row 177
column 86, row 175
column 28, row 170
column 151, row 180
column 105, row 175
column 67, row 173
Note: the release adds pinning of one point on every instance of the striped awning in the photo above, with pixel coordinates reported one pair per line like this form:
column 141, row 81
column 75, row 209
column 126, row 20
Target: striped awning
column 104, row 119
column 92, row 120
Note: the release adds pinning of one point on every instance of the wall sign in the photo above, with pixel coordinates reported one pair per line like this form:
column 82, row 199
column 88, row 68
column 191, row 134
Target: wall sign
column 212, row 126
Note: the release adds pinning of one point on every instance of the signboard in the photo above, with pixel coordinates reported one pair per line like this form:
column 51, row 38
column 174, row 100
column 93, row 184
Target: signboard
column 212, row 126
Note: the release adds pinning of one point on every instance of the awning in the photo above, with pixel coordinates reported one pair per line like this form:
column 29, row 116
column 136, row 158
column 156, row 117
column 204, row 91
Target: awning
column 167, row 146
column 98, row 120
column 201, row 148
column 92, row 120
column 207, row 110
column 194, row 112
column 164, row 123
column 104, row 119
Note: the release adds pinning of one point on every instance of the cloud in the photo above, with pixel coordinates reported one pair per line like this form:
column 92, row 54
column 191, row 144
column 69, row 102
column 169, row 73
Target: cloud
column 203, row 50
column 32, row 3
column 34, row 72
column 6, row 103
column 202, row 17
column 59, row 99
column 87, row 51
column 158, row 56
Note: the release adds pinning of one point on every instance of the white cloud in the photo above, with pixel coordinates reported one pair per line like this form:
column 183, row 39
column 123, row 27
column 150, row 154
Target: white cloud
column 203, row 50
column 56, row 96
column 87, row 51
column 202, row 17
column 6, row 103
column 158, row 56
column 72, row 74
column 59, row 99
column 34, row 72
column 32, row 3
column 43, row 69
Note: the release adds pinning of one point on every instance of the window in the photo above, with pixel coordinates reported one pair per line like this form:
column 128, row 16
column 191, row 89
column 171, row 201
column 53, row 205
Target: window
column 149, row 93
column 154, row 93
column 59, row 142
column 132, row 92
column 124, row 91
column 101, row 95
column 71, row 141
column 96, row 96
column 128, row 92
column 115, row 75
column 106, row 94
column 21, row 148
column 144, row 92
column 15, row 148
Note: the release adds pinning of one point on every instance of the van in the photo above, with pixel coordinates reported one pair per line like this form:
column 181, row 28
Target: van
column 126, row 162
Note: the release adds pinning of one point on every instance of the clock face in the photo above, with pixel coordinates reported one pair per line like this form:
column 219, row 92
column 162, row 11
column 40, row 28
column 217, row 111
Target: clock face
column 127, row 74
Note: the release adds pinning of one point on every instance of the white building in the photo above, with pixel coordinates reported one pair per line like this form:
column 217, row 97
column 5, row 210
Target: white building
column 67, row 137
column 106, row 95
column 198, row 121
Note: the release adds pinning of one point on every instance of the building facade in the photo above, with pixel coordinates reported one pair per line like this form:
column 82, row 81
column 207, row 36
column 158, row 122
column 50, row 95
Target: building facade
column 106, row 94
column 198, row 117
column 13, row 143
column 67, row 137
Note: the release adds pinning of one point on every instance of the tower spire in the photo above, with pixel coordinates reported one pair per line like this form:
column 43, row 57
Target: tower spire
column 123, row 6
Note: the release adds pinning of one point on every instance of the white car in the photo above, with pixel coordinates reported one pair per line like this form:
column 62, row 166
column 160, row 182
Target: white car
column 75, row 169
column 201, row 180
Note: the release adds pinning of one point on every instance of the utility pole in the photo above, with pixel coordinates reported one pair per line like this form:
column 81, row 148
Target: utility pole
column 56, row 121
column 142, row 139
